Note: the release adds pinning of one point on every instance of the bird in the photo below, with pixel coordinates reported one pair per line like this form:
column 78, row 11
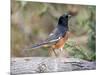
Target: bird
column 58, row 36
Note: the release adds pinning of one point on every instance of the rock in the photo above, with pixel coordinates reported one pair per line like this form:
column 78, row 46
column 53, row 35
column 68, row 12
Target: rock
column 29, row 65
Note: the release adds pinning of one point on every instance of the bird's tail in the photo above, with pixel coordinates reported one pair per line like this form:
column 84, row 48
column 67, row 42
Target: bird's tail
column 43, row 44
column 39, row 45
column 35, row 46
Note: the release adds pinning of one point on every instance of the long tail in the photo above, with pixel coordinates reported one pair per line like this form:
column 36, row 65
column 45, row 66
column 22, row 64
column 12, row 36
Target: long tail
column 41, row 44
column 36, row 46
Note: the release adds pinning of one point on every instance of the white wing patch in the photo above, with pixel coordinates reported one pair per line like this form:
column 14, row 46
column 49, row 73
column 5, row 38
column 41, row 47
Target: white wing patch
column 55, row 40
column 51, row 34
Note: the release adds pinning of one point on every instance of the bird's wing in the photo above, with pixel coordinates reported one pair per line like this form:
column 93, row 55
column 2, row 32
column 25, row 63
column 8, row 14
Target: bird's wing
column 54, row 36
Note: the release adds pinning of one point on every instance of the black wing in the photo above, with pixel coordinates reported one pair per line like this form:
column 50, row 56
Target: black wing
column 57, row 33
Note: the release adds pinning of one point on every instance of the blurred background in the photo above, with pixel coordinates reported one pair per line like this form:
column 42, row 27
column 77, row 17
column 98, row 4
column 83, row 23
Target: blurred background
column 31, row 23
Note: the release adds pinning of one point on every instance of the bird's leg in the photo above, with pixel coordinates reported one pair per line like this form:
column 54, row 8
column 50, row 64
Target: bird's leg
column 54, row 52
column 61, row 49
column 49, row 51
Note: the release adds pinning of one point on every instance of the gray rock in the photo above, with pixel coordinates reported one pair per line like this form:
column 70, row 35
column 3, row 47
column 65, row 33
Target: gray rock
column 30, row 65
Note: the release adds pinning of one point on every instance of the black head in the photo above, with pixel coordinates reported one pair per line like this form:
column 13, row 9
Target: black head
column 63, row 20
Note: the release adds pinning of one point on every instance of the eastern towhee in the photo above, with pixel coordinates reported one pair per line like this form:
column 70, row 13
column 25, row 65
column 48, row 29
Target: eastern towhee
column 59, row 36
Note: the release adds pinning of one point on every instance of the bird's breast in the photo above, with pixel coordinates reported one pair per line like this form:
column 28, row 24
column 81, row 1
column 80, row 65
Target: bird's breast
column 61, row 42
